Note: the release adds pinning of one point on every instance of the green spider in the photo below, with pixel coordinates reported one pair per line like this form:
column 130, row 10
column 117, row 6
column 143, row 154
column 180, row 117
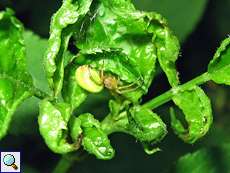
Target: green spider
column 94, row 81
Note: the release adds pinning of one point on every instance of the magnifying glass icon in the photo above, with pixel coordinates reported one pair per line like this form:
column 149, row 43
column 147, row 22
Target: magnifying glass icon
column 9, row 160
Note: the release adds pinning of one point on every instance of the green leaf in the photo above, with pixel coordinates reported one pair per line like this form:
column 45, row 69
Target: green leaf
column 72, row 93
column 198, row 114
column 183, row 16
column 61, row 30
column 197, row 162
column 53, row 125
column 15, row 83
column 219, row 67
column 95, row 140
column 121, row 43
column 167, row 53
column 56, row 127
column 128, row 46
column 129, row 53
column 26, row 115
column 146, row 126
column 35, row 50
column 209, row 160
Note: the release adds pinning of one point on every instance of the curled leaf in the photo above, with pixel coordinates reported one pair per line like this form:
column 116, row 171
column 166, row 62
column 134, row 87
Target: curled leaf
column 53, row 125
column 146, row 126
column 63, row 24
column 167, row 45
column 95, row 141
column 198, row 114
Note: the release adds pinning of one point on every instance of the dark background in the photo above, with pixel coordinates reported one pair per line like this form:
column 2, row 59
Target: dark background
column 200, row 26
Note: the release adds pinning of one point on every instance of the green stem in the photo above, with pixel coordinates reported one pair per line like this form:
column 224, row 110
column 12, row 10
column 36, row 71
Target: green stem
column 63, row 165
column 120, row 125
column 167, row 96
column 117, row 125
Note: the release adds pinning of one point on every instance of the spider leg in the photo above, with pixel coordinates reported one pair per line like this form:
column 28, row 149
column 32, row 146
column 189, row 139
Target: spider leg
column 126, row 90
column 127, row 86
column 130, row 87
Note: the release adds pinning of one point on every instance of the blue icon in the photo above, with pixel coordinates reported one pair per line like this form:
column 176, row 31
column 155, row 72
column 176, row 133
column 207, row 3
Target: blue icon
column 9, row 160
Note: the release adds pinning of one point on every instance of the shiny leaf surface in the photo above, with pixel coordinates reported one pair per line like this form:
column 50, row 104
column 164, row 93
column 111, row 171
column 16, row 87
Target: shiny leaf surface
column 15, row 82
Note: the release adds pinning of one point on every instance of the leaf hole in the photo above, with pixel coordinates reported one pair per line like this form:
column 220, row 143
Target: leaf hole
column 181, row 117
column 72, row 46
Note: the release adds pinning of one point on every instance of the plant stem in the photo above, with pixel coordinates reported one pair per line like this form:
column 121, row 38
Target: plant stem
column 121, row 124
column 167, row 96
column 117, row 125
column 63, row 165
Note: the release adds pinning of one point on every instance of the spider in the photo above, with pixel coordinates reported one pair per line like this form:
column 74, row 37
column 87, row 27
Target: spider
column 94, row 81
column 114, row 84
